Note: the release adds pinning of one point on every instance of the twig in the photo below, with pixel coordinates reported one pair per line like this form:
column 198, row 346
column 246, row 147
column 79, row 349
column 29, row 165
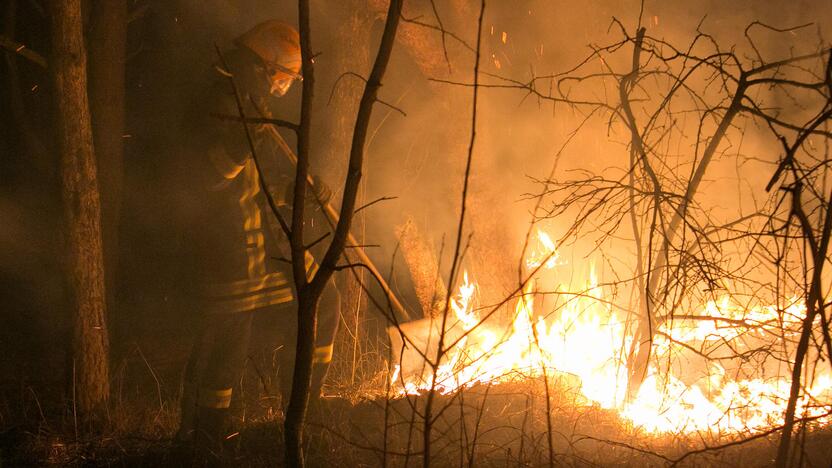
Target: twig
column 23, row 51
column 428, row 421
column 377, row 200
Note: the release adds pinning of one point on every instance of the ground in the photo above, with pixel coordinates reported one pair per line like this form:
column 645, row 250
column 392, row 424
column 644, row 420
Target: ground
column 505, row 425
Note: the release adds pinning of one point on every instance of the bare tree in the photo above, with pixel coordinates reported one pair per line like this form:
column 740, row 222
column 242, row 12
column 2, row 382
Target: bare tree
column 309, row 291
column 804, row 180
column 677, row 243
column 654, row 195
column 680, row 248
column 442, row 347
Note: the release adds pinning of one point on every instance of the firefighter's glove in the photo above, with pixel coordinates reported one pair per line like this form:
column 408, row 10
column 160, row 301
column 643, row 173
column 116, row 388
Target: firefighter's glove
column 319, row 191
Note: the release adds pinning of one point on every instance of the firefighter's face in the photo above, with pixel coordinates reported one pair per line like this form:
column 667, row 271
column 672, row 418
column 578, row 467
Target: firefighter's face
column 280, row 84
column 280, row 78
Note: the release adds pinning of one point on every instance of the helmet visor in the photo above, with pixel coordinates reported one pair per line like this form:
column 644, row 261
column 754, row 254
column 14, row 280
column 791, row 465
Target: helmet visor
column 278, row 71
column 281, row 78
column 281, row 86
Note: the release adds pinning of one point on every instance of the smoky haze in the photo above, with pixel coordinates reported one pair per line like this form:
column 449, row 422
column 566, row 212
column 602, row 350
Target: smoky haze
column 416, row 149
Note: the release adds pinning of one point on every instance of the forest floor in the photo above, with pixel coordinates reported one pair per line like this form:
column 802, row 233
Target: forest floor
column 502, row 425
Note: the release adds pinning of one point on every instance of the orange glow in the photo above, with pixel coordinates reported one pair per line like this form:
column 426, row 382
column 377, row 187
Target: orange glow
column 587, row 338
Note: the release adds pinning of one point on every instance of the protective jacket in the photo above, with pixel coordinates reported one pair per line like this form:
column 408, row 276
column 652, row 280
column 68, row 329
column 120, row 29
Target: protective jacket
column 237, row 250
column 236, row 239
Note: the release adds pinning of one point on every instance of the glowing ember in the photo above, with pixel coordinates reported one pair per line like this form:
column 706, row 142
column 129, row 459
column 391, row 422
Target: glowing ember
column 701, row 385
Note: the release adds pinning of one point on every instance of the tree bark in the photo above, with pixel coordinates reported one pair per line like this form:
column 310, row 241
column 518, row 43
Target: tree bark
column 107, row 42
column 306, row 298
column 82, row 211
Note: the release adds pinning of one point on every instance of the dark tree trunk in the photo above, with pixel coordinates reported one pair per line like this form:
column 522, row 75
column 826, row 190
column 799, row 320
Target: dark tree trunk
column 107, row 39
column 35, row 149
column 309, row 292
column 82, row 211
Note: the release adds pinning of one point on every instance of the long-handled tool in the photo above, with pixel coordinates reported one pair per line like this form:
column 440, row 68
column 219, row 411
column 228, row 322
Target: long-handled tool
column 353, row 248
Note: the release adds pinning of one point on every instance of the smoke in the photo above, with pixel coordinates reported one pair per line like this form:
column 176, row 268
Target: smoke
column 418, row 140
column 418, row 157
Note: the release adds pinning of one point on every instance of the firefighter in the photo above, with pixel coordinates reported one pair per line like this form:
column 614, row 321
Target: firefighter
column 237, row 244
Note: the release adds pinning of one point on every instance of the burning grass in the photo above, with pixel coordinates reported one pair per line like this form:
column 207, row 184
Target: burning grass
column 717, row 373
column 509, row 425
column 506, row 423
column 540, row 381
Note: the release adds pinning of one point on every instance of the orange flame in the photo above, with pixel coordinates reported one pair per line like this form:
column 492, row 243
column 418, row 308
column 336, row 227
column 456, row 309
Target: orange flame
column 588, row 340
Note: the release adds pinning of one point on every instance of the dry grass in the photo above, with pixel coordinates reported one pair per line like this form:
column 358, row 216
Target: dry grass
column 502, row 425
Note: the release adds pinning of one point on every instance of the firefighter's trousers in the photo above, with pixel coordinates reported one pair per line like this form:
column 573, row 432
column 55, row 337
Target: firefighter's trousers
column 219, row 354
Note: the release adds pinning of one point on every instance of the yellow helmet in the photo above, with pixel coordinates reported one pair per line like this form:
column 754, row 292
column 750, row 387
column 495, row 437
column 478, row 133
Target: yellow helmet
column 278, row 46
